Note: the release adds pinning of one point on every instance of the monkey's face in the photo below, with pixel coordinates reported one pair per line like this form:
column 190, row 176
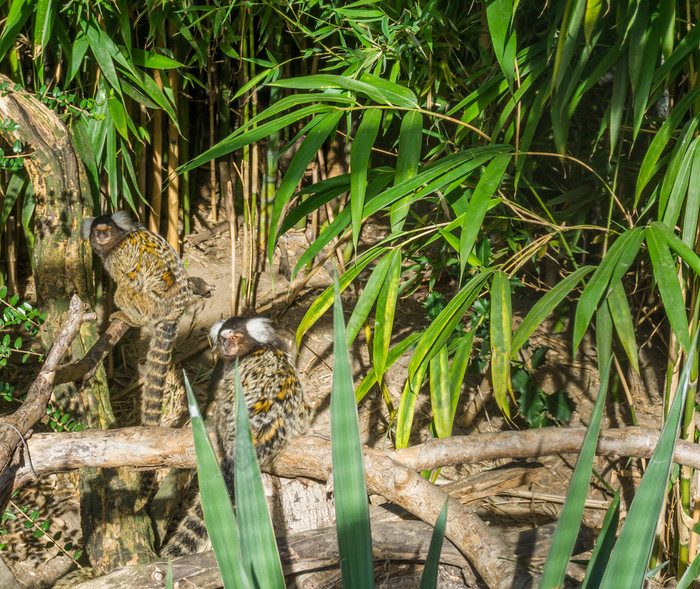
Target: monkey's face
column 235, row 343
column 102, row 234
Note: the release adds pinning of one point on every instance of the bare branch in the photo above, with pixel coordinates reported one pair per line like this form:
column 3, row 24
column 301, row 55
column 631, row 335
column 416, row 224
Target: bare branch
column 310, row 456
column 34, row 407
column 172, row 448
column 85, row 368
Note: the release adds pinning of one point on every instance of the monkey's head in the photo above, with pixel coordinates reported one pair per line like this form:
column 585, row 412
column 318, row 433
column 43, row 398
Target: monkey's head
column 237, row 337
column 106, row 231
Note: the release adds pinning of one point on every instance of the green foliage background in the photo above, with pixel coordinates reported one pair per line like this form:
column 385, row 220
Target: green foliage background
column 554, row 147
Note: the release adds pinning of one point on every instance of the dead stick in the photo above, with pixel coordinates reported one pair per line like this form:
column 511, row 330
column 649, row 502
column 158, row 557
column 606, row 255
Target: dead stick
column 34, row 407
column 172, row 448
column 85, row 368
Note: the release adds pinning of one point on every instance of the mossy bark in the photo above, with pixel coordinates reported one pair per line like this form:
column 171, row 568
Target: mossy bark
column 62, row 266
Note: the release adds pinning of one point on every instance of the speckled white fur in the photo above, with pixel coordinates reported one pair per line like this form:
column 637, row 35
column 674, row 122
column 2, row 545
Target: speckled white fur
column 123, row 221
column 261, row 330
column 85, row 228
column 214, row 331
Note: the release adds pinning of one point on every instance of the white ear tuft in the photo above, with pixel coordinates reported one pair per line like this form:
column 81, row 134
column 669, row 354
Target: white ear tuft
column 85, row 228
column 124, row 221
column 214, row 332
column 261, row 330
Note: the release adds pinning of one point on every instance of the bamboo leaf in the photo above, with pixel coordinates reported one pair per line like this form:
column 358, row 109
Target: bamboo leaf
column 501, row 336
column 19, row 12
column 445, row 323
column 630, row 557
column 153, row 60
column 667, row 16
column 692, row 200
column 410, row 139
column 610, row 271
column 622, row 318
column 690, row 574
column 658, row 144
column 249, row 134
column 662, row 232
column 323, row 302
column 478, row 205
column 15, row 187
column 499, row 15
column 687, row 45
column 678, row 172
column 116, row 110
column 428, row 180
column 542, row 308
column 617, row 103
column 431, row 341
column 386, row 308
column 440, row 393
column 649, row 52
column 366, row 300
column 103, row 49
column 360, row 152
column 458, row 368
column 379, row 90
column 315, row 137
column 394, row 354
column 637, row 28
column 258, row 543
column 603, row 334
column 351, row 507
column 591, row 18
column 567, row 43
column 571, row 514
column 43, row 24
column 603, row 546
column 85, row 150
column 666, row 276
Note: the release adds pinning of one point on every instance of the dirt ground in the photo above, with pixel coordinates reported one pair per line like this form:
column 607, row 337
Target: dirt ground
column 302, row 505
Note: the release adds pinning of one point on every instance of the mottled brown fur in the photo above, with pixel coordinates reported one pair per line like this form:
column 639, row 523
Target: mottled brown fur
column 152, row 289
column 275, row 402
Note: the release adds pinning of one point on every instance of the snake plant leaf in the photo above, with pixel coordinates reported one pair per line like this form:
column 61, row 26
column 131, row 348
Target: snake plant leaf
column 258, row 545
column 351, row 505
column 216, row 503
column 630, row 556
column 571, row 514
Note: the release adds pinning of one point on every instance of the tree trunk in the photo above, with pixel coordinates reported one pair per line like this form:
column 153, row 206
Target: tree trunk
column 62, row 266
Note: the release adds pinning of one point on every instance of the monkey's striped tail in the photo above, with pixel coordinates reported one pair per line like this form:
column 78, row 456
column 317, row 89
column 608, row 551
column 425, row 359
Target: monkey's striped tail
column 157, row 362
column 191, row 534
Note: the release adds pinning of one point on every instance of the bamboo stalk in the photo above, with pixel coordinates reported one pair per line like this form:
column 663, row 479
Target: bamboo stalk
column 212, row 133
column 157, row 172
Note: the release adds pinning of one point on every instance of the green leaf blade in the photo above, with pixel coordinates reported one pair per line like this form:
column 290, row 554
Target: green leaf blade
column 351, row 506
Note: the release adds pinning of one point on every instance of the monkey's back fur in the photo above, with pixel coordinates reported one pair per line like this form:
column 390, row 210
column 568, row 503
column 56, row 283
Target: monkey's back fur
column 152, row 289
column 277, row 413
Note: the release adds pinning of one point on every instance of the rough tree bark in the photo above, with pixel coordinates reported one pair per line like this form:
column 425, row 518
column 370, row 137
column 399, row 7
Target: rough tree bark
column 62, row 267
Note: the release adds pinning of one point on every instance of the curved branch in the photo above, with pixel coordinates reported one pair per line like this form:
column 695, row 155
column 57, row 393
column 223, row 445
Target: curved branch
column 391, row 475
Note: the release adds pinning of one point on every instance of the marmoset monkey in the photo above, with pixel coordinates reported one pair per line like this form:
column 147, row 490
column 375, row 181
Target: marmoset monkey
column 274, row 399
column 152, row 289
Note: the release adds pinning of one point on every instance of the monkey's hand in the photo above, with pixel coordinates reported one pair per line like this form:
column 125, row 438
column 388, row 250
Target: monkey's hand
column 118, row 315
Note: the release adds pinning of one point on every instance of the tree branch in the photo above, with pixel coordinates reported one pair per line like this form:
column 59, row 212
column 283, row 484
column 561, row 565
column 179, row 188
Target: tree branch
column 34, row 407
column 309, row 456
column 85, row 368
column 172, row 448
